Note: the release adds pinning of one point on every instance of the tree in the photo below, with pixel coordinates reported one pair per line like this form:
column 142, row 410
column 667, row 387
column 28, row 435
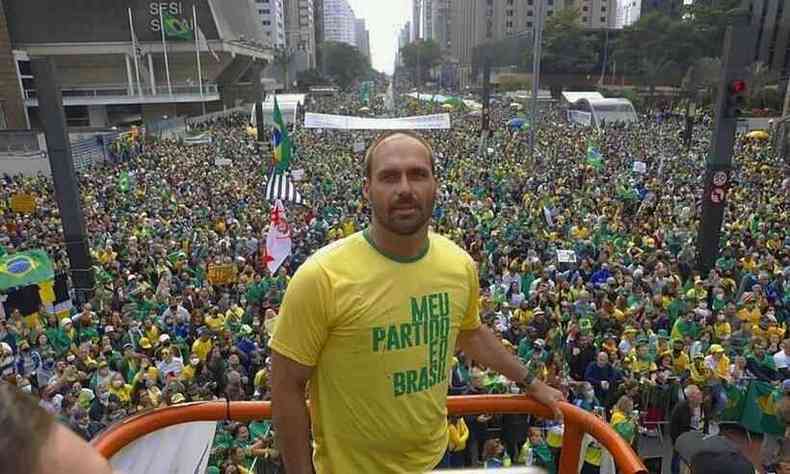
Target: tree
column 421, row 55
column 701, row 79
column 309, row 78
column 567, row 47
column 344, row 63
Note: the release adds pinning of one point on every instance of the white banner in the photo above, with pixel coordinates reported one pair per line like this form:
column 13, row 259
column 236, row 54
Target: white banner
column 346, row 122
column 640, row 167
column 223, row 161
column 580, row 117
column 202, row 139
column 179, row 449
column 297, row 174
column 566, row 256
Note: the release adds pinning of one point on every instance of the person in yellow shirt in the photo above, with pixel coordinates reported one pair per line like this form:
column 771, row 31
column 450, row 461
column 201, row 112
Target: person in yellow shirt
column 121, row 389
column 718, row 365
column 190, row 369
column 722, row 330
column 203, row 344
column 377, row 344
column 215, row 321
column 750, row 311
column 680, row 359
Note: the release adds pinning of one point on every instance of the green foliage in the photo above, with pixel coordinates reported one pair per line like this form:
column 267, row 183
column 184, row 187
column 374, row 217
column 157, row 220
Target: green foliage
column 344, row 63
column 309, row 78
column 567, row 47
column 422, row 55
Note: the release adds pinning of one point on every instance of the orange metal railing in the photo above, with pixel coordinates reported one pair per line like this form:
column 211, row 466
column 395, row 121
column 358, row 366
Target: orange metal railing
column 577, row 423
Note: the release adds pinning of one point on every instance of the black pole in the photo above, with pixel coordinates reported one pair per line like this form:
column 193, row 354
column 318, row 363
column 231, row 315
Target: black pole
column 735, row 60
column 486, row 96
column 689, row 131
column 67, row 195
column 260, row 97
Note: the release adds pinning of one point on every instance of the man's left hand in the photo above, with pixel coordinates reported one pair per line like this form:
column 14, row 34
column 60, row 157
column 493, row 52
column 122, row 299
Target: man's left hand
column 548, row 396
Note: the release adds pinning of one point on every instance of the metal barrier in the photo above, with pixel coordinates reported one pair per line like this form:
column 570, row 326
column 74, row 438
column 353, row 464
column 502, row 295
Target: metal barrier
column 577, row 423
column 19, row 141
column 192, row 121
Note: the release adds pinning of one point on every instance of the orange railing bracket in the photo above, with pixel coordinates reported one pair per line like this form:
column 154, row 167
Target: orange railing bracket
column 577, row 423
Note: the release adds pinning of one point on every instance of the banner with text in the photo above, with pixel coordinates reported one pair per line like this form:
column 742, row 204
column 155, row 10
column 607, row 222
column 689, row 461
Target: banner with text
column 346, row 122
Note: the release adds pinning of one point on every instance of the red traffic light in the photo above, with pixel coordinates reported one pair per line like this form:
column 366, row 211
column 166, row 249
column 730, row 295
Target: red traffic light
column 737, row 86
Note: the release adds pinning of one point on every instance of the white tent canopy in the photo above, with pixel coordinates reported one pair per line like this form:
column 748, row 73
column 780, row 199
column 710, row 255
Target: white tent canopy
column 573, row 96
column 605, row 110
column 287, row 104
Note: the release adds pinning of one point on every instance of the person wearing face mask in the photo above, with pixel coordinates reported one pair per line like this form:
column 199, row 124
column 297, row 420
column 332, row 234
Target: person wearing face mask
column 191, row 369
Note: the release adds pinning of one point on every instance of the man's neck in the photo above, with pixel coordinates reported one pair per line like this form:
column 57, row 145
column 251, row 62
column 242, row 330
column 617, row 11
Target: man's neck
column 401, row 246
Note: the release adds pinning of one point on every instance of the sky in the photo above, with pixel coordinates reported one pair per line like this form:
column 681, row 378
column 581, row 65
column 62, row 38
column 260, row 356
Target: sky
column 384, row 19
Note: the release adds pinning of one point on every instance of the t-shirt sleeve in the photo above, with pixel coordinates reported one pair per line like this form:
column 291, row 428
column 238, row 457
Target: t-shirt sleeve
column 302, row 325
column 472, row 317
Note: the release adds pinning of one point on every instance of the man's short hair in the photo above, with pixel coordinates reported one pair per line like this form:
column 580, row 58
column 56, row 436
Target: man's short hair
column 26, row 427
column 390, row 133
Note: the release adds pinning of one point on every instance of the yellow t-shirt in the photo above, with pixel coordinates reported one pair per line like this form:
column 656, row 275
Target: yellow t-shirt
column 201, row 349
column 380, row 333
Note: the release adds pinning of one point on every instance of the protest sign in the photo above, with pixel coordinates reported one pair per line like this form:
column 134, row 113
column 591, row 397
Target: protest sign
column 566, row 256
column 221, row 274
column 23, row 203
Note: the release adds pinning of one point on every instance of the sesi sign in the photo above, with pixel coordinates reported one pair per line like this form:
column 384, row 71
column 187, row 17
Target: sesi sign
column 175, row 9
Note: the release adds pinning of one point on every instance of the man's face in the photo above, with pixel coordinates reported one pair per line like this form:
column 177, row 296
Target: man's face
column 401, row 188
column 602, row 359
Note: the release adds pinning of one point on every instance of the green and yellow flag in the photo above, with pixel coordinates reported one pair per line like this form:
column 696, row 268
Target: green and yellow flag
column 176, row 28
column 22, row 269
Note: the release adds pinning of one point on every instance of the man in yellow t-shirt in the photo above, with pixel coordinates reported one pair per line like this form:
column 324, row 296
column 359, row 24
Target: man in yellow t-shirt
column 371, row 321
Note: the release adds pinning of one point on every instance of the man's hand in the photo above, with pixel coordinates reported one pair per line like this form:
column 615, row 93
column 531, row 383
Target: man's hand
column 548, row 396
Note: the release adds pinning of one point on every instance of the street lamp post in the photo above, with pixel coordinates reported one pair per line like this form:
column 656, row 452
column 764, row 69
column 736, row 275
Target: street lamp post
column 536, row 55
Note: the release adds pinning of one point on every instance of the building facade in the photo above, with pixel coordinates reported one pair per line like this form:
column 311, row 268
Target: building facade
column 473, row 22
column 416, row 20
column 362, row 37
column 404, row 37
column 12, row 106
column 271, row 14
column 772, row 41
column 110, row 57
column 300, row 33
column 339, row 22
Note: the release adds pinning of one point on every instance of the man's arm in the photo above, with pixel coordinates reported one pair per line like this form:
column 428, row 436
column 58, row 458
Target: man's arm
column 289, row 413
column 482, row 346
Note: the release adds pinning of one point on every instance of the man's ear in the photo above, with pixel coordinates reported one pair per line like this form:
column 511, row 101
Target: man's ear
column 365, row 190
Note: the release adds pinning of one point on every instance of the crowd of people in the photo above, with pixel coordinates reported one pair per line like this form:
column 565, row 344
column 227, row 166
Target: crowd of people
column 622, row 327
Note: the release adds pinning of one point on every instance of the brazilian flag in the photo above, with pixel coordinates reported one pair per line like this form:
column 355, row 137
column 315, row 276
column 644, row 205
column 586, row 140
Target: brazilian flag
column 736, row 398
column 176, row 28
column 22, row 269
column 594, row 157
column 759, row 411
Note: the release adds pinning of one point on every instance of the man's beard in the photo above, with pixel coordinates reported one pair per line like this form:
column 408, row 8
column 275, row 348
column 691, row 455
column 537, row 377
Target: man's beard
column 404, row 227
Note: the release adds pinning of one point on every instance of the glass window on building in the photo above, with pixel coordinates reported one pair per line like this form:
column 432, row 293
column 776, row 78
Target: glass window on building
column 3, row 122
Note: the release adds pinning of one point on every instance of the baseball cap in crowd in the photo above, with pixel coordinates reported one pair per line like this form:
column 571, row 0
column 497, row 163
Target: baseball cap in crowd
column 145, row 343
column 706, row 454
column 786, row 385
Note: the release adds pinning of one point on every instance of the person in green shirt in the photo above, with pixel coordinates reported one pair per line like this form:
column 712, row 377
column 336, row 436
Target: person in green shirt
column 685, row 327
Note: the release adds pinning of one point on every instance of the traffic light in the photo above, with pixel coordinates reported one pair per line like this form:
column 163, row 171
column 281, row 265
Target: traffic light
column 736, row 98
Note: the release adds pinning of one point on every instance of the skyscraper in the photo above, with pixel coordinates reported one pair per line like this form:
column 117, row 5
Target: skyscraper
column 300, row 32
column 416, row 12
column 362, row 37
column 271, row 14
column 339, row 22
